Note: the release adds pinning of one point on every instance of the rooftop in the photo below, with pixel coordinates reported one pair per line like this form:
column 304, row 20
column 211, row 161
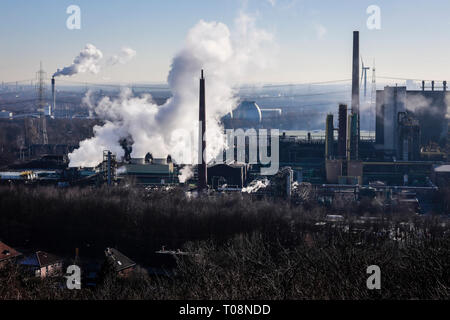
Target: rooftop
column 6, row 252
column 148, row 168
column 442, row 168
column 40, row 259
column 119, row 260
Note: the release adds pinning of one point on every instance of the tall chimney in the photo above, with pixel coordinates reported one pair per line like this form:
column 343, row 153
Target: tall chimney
column 423, row 85
column 329, row 137
column 53, row 96
column 202, row 169
column 342, row 133
column 445, row 85
column 432, row 85
column 355, row 90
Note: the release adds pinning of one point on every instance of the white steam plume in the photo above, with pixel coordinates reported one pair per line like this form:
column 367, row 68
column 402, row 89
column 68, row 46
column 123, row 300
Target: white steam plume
column 89, row 60
column 224, row 55
column 126, row 55
column 256, row 185
column 87, row 101
column 418, row 103
column 86, row 61
column 185, row 174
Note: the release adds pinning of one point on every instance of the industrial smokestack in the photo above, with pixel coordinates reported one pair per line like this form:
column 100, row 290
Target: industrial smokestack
column 342, row 133
column 53, row 96
column 329, row 137
column 355, row 92
column 202, row 169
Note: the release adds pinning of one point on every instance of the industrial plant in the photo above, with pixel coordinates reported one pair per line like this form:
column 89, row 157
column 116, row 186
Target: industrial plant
column 273, row 150
column 407, row 155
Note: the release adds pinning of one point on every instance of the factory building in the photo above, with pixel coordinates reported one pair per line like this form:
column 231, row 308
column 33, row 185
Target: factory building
column 6, row 114
column 158, row 172
column 425, row 121
column 248, row 114
column 232, row 175
column 408, row 137
column 346, row 168
column 305, row 157
column 441, row 175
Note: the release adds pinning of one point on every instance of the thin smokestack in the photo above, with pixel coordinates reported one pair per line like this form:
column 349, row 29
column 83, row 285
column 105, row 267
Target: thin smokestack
column 355, row 90
column 202, row 169
column 342, row 133
column 53, row 95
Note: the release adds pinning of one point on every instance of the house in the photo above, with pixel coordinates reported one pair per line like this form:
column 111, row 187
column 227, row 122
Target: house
column 7, row 254
column 42, row 264
column 121, row 264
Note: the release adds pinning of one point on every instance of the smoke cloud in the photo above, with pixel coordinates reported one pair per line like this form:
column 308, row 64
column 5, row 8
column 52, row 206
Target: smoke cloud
column 256, row 185
column 125, row 56
column 417, row 103
column 185, row 174
column 86, row 61
column 89, row 60
column 225, row 55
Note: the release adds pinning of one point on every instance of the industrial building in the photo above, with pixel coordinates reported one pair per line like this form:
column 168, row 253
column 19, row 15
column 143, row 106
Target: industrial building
column 6, row 114
column 157, row 172
column 232, row 175
column 410, row 128
column 248, row 114
column 403, row 159
column 425, row 121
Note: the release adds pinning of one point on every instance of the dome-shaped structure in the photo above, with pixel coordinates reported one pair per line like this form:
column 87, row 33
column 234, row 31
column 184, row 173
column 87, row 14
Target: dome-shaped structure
column 248, row 111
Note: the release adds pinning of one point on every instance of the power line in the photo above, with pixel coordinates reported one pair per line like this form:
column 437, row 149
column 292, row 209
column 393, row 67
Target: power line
column 293, row 84
column 297, row 95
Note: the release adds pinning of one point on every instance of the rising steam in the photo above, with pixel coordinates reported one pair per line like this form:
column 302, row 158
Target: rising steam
column 86, row 61
column 162, row 130
column 89, row 61
column 124, row 56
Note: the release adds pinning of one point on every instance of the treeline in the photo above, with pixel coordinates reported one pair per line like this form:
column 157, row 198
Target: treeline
column 248, row 267
column 241, row 248
column 134, row 221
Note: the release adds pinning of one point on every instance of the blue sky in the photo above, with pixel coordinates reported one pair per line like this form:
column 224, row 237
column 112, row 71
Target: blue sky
column 314, row 38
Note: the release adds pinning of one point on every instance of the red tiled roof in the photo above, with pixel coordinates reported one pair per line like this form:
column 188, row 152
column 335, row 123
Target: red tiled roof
column 6, row 252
